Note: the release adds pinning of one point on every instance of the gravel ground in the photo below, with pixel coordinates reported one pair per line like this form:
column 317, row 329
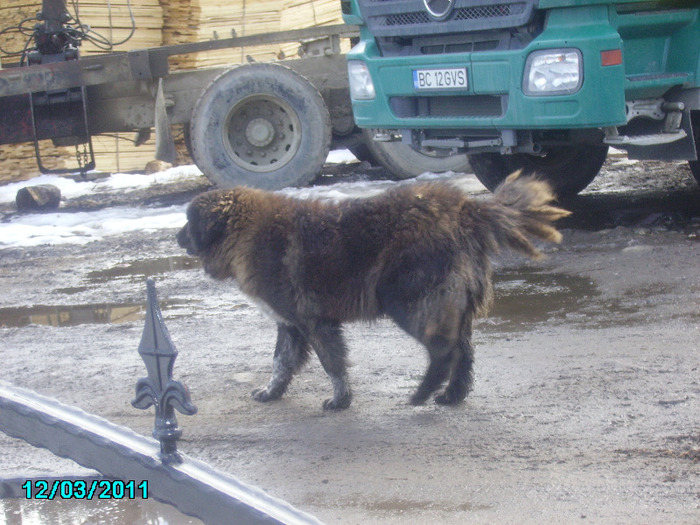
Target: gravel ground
column 587, row 393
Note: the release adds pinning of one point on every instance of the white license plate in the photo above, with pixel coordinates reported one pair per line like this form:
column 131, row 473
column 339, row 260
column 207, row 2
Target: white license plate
column 449, row 78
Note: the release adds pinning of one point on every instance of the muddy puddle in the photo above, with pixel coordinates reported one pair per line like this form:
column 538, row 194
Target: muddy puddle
column 71, row 315
column 524, row 298
column 74, row 315
column 17, row 507
column 18, row 511
column 103, row 313
column 144, row 268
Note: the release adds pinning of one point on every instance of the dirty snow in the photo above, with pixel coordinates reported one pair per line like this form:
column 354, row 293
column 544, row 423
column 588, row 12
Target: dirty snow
column 71, row 188
column 84, row 227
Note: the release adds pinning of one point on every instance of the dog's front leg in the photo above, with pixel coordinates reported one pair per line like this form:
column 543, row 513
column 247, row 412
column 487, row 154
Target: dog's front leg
column 291, row 352
column 327, row 340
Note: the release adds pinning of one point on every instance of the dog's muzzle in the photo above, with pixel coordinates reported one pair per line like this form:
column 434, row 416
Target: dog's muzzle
column 185, row 241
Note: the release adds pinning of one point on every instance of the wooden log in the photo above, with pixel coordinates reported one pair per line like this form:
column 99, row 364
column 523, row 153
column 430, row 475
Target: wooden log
column 42, row 197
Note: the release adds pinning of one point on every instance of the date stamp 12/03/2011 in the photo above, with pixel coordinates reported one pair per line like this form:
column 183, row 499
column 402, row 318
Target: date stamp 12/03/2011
column 87, row 489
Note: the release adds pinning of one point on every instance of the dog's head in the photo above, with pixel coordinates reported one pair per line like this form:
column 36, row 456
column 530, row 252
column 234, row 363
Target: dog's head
column 219, row 226
column 207, row 218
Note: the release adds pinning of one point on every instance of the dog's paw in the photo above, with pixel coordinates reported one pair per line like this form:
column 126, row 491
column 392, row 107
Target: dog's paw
column 263, row 395
column 337, row 404
column 418, row 399
column 447, row 398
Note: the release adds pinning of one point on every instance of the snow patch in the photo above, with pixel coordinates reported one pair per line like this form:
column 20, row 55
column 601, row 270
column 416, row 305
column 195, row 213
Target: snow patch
column 84, row 227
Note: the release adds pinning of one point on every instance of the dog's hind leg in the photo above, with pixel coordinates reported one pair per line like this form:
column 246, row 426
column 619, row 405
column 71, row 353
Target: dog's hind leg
column 442, row 354
column 327, row 340
column 461, row 374
column 291, row 352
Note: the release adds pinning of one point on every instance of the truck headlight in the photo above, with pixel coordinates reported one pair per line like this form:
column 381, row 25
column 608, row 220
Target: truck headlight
column 361, row 85
column 553, row 72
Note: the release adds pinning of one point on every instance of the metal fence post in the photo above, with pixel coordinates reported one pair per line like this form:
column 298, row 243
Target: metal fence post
column 159, row 389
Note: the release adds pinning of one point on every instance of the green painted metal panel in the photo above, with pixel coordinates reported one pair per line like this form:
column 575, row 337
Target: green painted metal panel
column 659, row 41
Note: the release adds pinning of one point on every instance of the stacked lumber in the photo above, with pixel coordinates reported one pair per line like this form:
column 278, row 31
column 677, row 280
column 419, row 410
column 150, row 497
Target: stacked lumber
column 113, row 153
column 167, row 22
column 300, row 14
column 216, row 19
column 213, row 19
column 111, row 21
column 18, row 162
column 180, row 23
column 12, row 12
column 118, row 153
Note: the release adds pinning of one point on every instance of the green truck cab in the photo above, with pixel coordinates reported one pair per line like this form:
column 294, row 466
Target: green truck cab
column 540, row 85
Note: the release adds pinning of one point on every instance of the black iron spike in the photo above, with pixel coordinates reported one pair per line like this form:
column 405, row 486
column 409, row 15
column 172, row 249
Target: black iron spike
column 159, row 389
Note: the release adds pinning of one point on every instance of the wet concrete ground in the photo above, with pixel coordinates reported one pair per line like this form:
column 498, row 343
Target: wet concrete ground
column 587, row 393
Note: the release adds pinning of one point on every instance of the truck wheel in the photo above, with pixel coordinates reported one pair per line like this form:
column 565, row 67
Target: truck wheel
column 187, row 138
column 569, row 169
column 260, row 125
column 403, row 162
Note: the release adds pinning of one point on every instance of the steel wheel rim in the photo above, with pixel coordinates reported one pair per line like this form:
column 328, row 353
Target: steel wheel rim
column 262, row 133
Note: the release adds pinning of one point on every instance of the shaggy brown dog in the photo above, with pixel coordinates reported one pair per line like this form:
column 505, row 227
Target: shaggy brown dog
column 417, row 253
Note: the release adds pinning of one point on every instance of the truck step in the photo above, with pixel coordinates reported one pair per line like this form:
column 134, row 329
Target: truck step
column 645, row 140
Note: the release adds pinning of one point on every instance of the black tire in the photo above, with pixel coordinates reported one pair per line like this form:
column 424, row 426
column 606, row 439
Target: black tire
column 187, row 138
column 403, row 162
column 569, row 169
column 362, row 153
column 260, row 125
column 695, row 164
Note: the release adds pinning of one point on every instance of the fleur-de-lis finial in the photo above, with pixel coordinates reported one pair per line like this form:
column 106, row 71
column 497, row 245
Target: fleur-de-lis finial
column 159, row 389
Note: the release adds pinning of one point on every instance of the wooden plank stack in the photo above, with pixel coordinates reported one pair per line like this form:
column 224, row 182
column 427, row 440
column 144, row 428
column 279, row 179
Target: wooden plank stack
column 180, row 23
column 17, row 161
column 160, row 22
column 12, row 12
column 218, row 19
column 117, row 152
column 299, row 14
column 110, row 20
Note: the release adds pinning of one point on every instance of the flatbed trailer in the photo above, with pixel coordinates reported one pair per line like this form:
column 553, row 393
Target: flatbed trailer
column 268, row 125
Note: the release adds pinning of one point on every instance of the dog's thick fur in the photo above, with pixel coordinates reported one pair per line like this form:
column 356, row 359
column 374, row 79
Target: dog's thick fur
column 417, row 253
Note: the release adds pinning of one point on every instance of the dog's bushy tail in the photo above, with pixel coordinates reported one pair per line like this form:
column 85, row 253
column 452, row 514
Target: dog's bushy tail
column 520, row 210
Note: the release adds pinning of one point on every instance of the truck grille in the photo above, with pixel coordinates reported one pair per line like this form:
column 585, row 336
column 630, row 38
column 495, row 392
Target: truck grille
column 387, row 18
column 475, row 106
